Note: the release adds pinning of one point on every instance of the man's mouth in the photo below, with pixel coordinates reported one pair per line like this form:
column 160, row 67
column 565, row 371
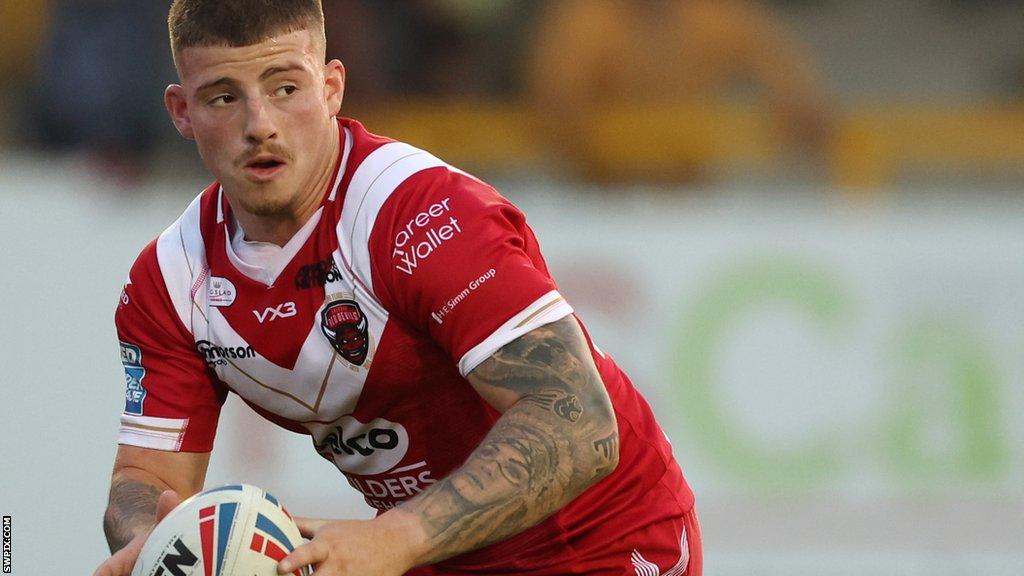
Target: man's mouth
column 264, row 167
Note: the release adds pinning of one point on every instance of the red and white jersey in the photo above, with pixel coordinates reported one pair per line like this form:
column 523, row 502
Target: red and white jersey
column 409, row 275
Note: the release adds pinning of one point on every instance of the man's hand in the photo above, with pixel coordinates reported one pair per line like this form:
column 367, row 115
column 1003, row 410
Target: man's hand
column 383, row 546
column 122, row 562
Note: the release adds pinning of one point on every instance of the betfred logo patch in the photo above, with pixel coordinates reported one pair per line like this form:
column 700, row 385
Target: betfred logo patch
column 345, row 326
column 135, row 392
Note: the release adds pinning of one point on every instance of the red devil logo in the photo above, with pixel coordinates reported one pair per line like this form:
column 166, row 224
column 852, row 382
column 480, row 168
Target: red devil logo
column 344, row 324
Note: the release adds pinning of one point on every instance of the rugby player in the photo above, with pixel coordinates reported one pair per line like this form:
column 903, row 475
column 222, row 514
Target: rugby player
column 395, row 309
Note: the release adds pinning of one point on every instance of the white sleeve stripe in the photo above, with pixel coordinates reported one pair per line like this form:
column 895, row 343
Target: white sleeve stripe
column 154, row 429
column 156, row 441
column 539, row 311
column 150, row 432
column 154, row 423
column 545, row 310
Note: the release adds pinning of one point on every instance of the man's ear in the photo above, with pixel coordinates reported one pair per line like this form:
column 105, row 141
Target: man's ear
column 177, row 108
column 334, row 86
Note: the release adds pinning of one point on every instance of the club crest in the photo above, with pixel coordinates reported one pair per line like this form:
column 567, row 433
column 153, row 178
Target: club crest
column 345, row 326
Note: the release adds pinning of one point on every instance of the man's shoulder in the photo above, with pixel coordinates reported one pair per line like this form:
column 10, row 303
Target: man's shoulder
column 377, row 168
column 399, row 181
column 380, row 166
column 374, row 157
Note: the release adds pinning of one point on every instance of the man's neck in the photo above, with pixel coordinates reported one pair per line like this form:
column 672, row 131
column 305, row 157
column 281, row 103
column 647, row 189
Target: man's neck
column 280, row 228
column 273, row 229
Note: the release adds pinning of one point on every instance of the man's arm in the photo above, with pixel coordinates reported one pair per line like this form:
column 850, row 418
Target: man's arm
column 131, row 510
column 145, row 486
column 556, row 437
column 139, row 476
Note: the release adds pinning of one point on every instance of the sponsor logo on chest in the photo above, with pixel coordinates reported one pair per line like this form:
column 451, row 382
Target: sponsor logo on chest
column 369, row 454
column 269, row 314
column 215, row 355
column 317, row 274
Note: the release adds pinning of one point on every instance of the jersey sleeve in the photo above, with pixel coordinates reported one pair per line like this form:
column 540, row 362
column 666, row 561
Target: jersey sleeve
column 172, row 401
column 455, row 259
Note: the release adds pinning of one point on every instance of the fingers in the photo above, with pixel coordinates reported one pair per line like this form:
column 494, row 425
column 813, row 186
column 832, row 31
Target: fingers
column 168, row 500
column 310, row 553
column 122, row 561
column 309, row 526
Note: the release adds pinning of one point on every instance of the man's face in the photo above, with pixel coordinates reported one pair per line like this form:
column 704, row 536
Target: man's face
column 261, row 116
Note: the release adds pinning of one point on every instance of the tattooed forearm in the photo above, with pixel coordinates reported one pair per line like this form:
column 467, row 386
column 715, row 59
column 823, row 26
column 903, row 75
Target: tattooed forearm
column 556, row 440
column 131, row 509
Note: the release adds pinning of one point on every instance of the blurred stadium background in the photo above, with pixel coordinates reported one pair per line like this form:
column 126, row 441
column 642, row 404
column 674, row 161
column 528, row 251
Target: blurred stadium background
column 798, row 224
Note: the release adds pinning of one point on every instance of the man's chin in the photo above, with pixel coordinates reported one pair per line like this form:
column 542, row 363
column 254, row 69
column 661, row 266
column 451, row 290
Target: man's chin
column 267, row 207
column 264, row 199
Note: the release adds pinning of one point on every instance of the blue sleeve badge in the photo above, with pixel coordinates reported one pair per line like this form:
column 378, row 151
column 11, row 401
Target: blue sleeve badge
column 134, row 393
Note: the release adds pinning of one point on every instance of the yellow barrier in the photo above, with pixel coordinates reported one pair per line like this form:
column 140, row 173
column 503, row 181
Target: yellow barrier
column 477, row 134
column 873, row 145
column 879, row 142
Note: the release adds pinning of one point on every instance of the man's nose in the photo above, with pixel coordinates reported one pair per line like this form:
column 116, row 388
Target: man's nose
column 259, row 124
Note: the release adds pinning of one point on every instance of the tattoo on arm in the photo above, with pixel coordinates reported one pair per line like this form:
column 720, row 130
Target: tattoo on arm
column 608, row 449
column 556, row 441
column 130, row 510
column 566, row 406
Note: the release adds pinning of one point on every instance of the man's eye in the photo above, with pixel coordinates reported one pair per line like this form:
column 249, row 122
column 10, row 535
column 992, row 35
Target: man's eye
column 285, row 90
column 222, row 99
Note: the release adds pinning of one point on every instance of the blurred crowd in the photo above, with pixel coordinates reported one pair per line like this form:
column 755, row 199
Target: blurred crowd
column 88, row 75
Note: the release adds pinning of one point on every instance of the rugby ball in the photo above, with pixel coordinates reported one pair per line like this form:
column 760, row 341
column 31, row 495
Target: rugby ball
column 236, row 530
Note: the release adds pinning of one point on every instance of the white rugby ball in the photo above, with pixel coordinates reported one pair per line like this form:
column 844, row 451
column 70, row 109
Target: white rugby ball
column 236, row 530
